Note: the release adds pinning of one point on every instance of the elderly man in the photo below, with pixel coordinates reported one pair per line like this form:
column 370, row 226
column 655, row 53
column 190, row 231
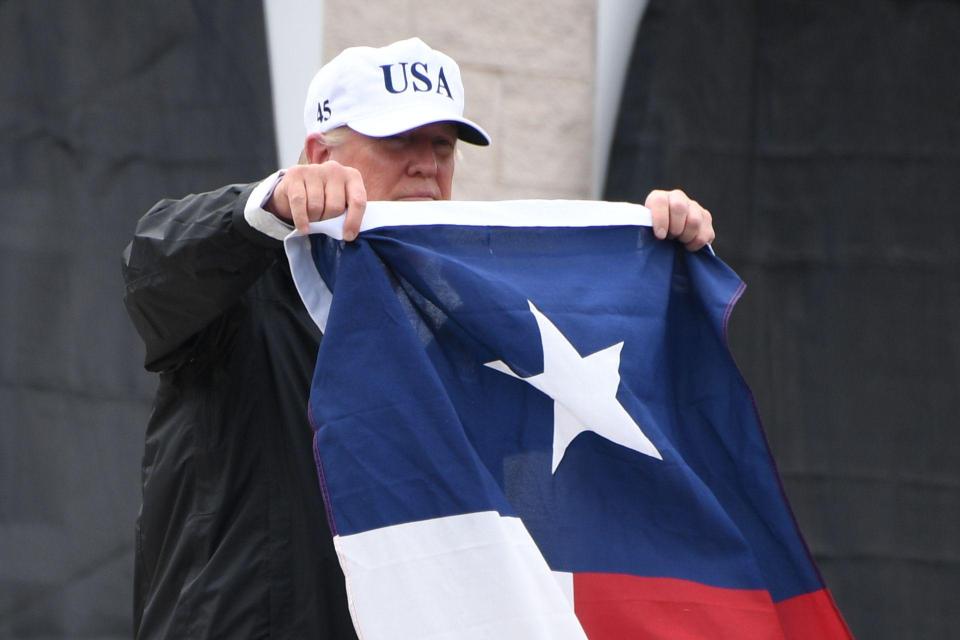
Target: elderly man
column 232, row 539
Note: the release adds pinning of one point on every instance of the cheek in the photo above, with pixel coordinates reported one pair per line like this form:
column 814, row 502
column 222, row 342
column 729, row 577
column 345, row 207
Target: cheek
column 382, row 181
column 375, row 172
column 445, row 179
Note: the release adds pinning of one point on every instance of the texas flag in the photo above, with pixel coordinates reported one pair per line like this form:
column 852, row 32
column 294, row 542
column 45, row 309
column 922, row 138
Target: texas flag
column 528, row 425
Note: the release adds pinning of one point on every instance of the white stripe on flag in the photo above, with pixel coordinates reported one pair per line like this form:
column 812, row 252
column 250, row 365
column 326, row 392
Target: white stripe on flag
column 471, row 576
column 500, row 213
column 565, row 582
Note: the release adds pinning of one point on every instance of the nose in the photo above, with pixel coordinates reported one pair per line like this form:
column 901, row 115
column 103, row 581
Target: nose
column 423, row 158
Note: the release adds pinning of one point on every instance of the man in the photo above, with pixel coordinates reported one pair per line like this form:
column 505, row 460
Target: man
column 232, row 539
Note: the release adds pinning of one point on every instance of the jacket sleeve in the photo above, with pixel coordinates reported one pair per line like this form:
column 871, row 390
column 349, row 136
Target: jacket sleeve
column 190, row 261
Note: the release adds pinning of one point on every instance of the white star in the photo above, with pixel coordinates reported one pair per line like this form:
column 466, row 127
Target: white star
column 584, row 391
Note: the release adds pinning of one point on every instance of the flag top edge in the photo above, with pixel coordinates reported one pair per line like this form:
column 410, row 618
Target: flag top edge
column 498, row 213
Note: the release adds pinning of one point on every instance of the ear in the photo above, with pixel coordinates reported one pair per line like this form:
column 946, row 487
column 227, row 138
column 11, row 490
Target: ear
column 315, row 151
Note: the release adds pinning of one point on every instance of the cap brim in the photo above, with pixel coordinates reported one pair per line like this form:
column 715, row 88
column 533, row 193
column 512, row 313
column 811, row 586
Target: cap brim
column 400, row 120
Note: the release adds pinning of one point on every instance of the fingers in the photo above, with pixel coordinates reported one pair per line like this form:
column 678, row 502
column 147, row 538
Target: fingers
column 336, row 197
column 356, row 195
column 316, row 200
column 705, row 233
column 312, row 192
column 658, row 202
column 296, row 193
column 675, row 215
column 679, row 213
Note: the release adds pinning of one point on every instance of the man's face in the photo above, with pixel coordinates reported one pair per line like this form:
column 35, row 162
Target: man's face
column 414, row 165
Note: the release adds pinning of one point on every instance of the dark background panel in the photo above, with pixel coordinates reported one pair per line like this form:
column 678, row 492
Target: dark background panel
column 105, row 107
column 824, row 137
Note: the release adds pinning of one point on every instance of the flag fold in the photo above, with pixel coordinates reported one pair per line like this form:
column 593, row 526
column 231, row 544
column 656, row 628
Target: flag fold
column 528, row 425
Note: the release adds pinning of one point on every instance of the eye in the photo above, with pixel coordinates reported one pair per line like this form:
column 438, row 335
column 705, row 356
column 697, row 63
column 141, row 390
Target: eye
column 397, row 140
column 444, row 145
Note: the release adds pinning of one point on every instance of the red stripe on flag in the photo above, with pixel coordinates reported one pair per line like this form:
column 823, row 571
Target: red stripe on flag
column 615, row 606
column 813, row 615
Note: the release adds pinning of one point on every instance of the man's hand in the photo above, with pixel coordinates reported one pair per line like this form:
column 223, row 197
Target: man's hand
column 680, row 218
column 310, row 192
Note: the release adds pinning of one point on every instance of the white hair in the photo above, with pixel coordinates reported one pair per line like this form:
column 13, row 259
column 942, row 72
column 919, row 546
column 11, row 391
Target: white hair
column 333, row 138
column 338, row 135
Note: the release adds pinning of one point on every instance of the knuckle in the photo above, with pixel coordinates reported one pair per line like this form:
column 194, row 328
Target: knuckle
column 294, row 174
column 357, row 202
column 679, row 202
column 339, row 171
column 656, row 198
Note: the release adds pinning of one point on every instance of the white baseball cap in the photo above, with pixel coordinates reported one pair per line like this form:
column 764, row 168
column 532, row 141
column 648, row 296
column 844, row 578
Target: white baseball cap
column 386, row 91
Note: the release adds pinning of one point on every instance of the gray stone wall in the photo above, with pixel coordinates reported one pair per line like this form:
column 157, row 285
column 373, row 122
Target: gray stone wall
column 528, row 69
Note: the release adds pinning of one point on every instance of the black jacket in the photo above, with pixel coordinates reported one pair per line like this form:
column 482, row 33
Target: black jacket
column 232, row 540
